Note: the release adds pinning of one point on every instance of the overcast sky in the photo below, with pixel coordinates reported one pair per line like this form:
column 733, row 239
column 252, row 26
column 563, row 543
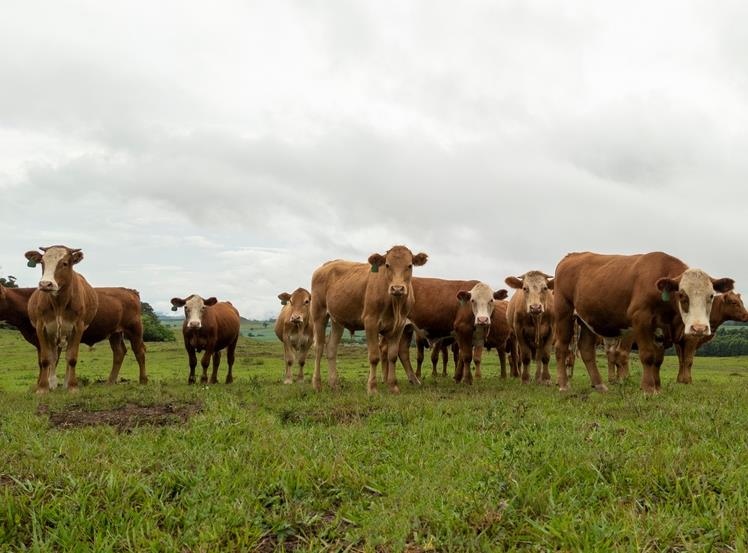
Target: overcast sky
column 229, row 148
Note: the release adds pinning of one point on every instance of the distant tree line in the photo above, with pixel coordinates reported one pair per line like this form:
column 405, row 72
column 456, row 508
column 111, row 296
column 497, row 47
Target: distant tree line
column 730, row 341
column 153, row 329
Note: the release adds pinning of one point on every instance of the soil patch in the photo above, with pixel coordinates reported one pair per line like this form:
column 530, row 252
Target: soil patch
column 125, row 418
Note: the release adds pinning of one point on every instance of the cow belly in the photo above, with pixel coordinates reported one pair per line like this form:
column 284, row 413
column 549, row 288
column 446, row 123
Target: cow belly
column 602, row 326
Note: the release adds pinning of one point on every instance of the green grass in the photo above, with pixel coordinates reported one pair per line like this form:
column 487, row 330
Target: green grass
column 495, row 466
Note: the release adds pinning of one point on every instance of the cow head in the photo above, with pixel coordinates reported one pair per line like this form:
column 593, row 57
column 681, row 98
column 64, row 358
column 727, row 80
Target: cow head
column 57, row 266
column 481, row 298
column 194, row 308
column 299, row 303
column 694, row 293
column 733, row 308
column 537, row 287
column 397, row 265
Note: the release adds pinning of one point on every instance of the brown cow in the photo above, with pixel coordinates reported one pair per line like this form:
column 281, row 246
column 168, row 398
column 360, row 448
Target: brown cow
column 209, row 326
column 61, row 309
column 473, row 324
column 653, row 294
column 376, row 297
column 294, row 328
column 117, row 317
column 530, row 314
column 617, row 351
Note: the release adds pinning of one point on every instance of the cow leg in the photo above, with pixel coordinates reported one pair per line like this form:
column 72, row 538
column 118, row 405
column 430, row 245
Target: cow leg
column 301, row 358
column 403, row 354
column 501, row 350
column 525, row 356
column 436, row 348
column 372, row 343
column 383, row 356
column 46, row 359
column 393, row 345
column 420, row 346
column 320, row 323
column 216, row 362
column 117, row 343
column 623, row 364
column 135, row 338
column 204, row 362
column 545, row 358
column 564, row 317
column 445, row 358
column 466, row 358
column 610, row 353
column 477, row 358
column 538, row 364
column 288, row 357
column 586, row 346
column 336, row 333
column 71, row 382
column 230, row 357
column 192, row 356
column 689, row 351
column 647, row 356
column 514, row 361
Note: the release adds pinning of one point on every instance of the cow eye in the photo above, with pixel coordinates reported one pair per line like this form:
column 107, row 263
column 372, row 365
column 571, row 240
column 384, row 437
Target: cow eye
column 306, row 302
column 387, row 265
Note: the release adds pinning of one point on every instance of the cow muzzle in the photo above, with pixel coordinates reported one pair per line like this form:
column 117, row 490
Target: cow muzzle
column 397, row 290
column 296, row 319
column 48, row 286
column 699, row 330
column 482, row 321
column 194, row 324
column 536, row 309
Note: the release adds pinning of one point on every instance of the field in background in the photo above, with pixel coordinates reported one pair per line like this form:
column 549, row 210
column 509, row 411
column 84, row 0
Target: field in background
column 259, row 465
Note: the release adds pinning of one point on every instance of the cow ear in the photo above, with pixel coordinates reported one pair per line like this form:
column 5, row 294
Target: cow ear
column 463, row 296
column 722, row 285
column 376, row 260
column 513, row 282
column 420, row 259
column 34, row 257
column 176, row 303
column 500, row 294
column 210, row 301
column 550, row 283
column 285, row 297
column 76, row 257
column 666, row 284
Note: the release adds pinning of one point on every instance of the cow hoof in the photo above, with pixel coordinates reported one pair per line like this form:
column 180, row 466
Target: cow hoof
column 601, row 388
column 42, row 391
column 213, row 381
column 203, row 380
column 563, row 388
column 144, row 381
column 288, row 381
column 316, row 384
column 73, row 389
column 415, row 382
column 229, row 380
column 335, row 384
column 371, row 389
column 394, row 389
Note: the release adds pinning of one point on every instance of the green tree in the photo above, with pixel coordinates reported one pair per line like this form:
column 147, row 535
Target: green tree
column 153, row 329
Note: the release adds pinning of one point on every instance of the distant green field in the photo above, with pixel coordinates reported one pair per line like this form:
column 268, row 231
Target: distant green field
column 444, row 467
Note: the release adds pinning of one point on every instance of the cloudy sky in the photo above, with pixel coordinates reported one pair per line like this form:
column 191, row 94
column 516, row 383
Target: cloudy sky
column 229, row 148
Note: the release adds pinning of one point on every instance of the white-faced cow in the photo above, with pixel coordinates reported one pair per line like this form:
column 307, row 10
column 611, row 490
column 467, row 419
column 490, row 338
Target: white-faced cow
column 651, row 295
column 376, row 296
column 61, row 309
column 530, row 314
column 209, row 326
column 294, row 328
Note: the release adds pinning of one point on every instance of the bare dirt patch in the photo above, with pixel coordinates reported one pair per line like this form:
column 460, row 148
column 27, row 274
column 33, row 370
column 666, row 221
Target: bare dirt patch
column 124, row 418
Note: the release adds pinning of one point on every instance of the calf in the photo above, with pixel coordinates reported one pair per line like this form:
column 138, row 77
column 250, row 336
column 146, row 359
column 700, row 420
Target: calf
column 473, row 324
column 377, row 297
column 60, row 309
column 118, row 316
column 209, row 326
column 650, row 294
column 530, row 314
column 294, row 328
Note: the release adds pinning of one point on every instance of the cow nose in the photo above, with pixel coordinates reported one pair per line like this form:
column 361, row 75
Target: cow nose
column 699, row 330
column 536, row 308
column 397, row 290
column 482, row 320
column 296, row 318
column 46, row 285
column 194, row 324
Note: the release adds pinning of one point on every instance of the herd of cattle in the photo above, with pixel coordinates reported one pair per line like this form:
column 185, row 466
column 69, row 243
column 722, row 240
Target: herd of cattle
column 652, row 300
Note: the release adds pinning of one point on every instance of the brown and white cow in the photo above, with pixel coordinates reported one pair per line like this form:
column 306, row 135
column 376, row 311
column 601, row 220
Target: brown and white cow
column 473, row 324
column 209, row 326
column 61, row 309
column 530, row 314
column 294, row 328
column 649, row 294
column 117, row 317
column 376, row 296
column 498, row 337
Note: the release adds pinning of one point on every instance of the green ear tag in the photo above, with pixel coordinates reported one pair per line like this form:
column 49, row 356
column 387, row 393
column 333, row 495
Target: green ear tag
column 174, row 308
column 284, row 302
column 31, row 263
column 375, row 268
column 665, row 295
column 462, row 302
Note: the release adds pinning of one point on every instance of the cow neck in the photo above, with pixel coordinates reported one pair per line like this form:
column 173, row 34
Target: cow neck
column 537, row 320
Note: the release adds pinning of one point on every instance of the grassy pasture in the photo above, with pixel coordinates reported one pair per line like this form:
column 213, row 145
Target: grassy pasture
column 262, row 466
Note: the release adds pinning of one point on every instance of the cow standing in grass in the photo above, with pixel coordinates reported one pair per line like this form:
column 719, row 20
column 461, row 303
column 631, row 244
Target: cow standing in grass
column 61, row 309
column 209, row 326
column 472, row 324
column 530, row 315
column 499, row 337
column 653, row 295
column 294, row 328
column 377, row 297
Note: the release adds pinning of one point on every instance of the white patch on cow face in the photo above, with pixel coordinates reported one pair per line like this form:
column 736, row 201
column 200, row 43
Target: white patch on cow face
column 535, row 287
column 194, row 308
column 50, row 260
column 481, row 301
column 695, row 297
